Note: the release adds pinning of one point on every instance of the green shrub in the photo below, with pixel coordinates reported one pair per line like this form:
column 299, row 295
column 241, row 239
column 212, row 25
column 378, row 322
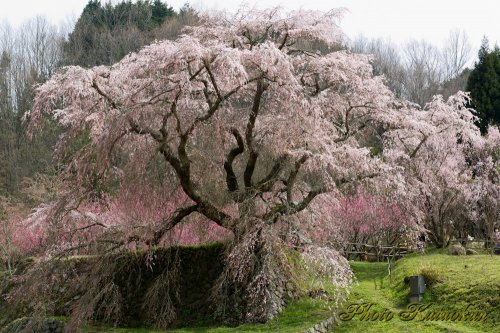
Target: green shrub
column 432, row 275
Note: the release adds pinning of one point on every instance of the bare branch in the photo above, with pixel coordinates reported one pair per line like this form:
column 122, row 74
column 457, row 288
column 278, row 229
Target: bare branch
column 231, row 180
column 252, row 159
column 170, row 223
column 103, row 94
column 293, row 175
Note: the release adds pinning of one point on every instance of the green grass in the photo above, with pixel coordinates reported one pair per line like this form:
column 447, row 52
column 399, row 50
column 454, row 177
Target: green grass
column 464, row 280
column 473, row 280
column 295, row 318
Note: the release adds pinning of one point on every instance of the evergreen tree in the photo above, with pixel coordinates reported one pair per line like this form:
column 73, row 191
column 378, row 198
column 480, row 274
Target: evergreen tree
column 106, row 33
column 484, row 86
column 160, row 12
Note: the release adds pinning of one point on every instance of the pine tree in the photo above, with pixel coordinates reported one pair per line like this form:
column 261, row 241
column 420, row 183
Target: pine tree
column 484, row 86
column 106, row 33
column 160, row 12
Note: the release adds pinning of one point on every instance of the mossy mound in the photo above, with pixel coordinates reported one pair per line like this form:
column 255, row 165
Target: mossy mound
column 460, row 282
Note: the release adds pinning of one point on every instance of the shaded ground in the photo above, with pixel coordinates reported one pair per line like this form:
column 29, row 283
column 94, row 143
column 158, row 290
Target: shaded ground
column 296, row 318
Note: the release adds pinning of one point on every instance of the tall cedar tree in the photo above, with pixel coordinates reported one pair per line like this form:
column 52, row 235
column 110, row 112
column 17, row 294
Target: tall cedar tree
column 484, row 86
column 106, row 33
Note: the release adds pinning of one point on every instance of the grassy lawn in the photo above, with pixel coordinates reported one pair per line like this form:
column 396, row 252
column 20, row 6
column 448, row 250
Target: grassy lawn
column 473, row 280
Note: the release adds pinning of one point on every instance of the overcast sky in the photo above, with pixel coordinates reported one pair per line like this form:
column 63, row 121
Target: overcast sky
column 399, row 20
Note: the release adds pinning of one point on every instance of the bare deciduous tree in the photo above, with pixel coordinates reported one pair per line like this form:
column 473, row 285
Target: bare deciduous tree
column 386, row 60
column 423, row 71
column 456, row 54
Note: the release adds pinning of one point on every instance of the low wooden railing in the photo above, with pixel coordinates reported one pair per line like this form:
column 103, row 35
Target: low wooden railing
column 370, row 252
column 385, row 253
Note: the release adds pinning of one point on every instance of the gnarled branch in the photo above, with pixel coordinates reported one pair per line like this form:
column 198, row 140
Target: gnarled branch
column 172, row 222
column 231, row 180
column 293, row 175
column 252, row 159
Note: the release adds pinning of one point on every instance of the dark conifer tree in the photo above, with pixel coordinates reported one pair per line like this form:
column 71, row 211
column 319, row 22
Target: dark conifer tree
column 106, row 33
column 484, row 86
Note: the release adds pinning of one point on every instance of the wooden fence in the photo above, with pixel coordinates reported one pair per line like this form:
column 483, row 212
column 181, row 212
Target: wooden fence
column 386, row 253
column 369, row 252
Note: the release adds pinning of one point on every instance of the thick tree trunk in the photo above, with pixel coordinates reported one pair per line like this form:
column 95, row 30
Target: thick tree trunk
column 257, row 277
